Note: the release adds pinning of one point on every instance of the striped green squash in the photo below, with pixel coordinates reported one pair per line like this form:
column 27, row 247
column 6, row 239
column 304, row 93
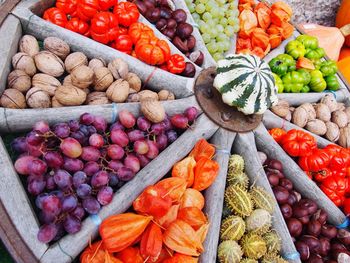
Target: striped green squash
column 246, row 82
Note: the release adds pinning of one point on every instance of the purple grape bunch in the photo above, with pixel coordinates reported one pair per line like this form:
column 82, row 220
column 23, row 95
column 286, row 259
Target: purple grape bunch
column 73, row 168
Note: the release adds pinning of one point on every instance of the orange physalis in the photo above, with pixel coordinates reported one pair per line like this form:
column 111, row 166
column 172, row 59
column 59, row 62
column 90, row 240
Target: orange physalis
column 260, row 38
column 169, row 217
column 202, row 149
column 130, row 255
column 247, row 20
column 174, row 186
column 243, row 43
column 284, row 7
column 275, row 40
column 120, row 231
column 205, row 173
column 202, row 232
column 278, row 16
column 180, row 258
column 151, row 243
column 273, row 29
column 164, row 254
column 192, row 216
column 185, row 169
column 96, row 253
column 287, row 30
column 192, row 197
column 263, row 13
column 153, row 201
column 277, row 134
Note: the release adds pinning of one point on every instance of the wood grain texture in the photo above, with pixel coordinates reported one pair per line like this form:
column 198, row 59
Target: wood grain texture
column 244, row 145
column 123, row 198
column 214, row 195
column 292, row 171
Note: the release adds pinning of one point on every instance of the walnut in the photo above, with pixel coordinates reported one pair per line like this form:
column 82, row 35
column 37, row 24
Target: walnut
column 75, row 60
column 97, row 98
column 119, row 68
column 97, row 63
column 70, row 95
column 134, row 82
column 153, row 110
column 19, row 80
column 24, row 62
column 103, row 78
column 166, row 95
column 46, row 82
column 118, row 91
column 28, row 44
column 57, row 46
column 13, row 98
column 82, row 77
column 49, row 63
column 38, row 99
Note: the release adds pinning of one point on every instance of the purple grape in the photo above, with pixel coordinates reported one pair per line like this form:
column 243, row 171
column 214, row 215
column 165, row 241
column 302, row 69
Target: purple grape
column 53, row 159
column 191, row 113
column 34, row 177
column 96, row 140
column 115, row 152
column 52, row 204
column 50, row 182
column 119, row 137
column 41, row 126
column 36, row 186
column 60, row 232
column 84, row 191
column 57, row 193
column 79, row 178
column 47, row 233
column 143, row 124
column 179, row 121
column 74, row 125
column 69, row 203
column 85, row 130
column 72, row 165
column 87, row 119
column 105, row 195
column 167, row 124
column 172, row 136
column 153, row 150
column 91, row 168
column 37, row 167
column 99, row 179
column 91, row 129
column 78, row 212
column 132, row 162
column 62, row 130
column 141, row 147
column 91, row 205
column 46, row 218
column 39, row 200
column 80, row 137
column 72, row 224
column 127, row 119
column 19, row 145
column 63, row 179
column 113, row 179
column 90, row 154
column 158, row 128
column 143, row 160
column 117, row 126
column 100, row 124
column 115, row 165
column 162, row 141
column 35, row 150
column 34, row 138
column 135, row 135
column 125, row 174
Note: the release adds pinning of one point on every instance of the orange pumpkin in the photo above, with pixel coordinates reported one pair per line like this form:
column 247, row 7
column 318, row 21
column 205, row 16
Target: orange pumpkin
column 96, row 253
column 120, row 231
column 152, row 51
column 344, row 53
column 277, row 134
column 343, row 17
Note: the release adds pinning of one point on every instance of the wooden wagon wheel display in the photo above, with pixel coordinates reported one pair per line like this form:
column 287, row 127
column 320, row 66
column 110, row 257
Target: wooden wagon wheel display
column 236, row 132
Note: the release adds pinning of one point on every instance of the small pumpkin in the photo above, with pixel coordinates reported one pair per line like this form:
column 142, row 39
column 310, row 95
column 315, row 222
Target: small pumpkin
column 246, row 82
column 152, row 51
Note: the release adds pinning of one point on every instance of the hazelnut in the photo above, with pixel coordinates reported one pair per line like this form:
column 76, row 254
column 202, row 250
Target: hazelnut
column 166, row 95
column 75, row 60
column 148, row 94
column 46, row 83
column 82, row 77
column 24, row 62
column 28, row 44
column 37, row 98
column 70, row 95
column 13, row 98
column 119, row 68
column 57, row 46
column 153, row 110
column 97, row 63
column 49, row 63
column 55, row 103
column 134, row 82
column 118, row 91
column 97, row 98
column 103, row 78
column 19, row 80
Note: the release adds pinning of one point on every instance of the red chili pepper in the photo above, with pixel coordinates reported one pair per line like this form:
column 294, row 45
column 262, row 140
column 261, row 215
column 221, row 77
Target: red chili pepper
column 55, row 16
column 79, row 26
column 335, row 188
column 298, row 143
column 176, row 64
column 127, row 13
column 123, row 43
column 107, row 4
column 315, row 161
column 67, row 6
column 104, row 27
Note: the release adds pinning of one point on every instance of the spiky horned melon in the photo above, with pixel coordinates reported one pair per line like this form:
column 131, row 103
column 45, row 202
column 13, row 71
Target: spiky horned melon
column 249, row 260
column 273, row 242
column 253, row 246
column 273, row 258
column 229, row 252
column 240, row 179
column 262, row 199
column 238, row 200
column 232, row 228
column 259, row 222
column 235, row 164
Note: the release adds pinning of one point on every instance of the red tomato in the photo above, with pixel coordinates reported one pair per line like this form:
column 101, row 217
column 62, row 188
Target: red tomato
column 55, row 16
column 107, row 4
column 335, row 188
column 123, row 43
column 298, row 143
column 104, row 27
column 78, row 26
column 315, row 161
column 127, row 13
column 67, row 6
column 86, row 9
column 277, row 134
column 340, row 160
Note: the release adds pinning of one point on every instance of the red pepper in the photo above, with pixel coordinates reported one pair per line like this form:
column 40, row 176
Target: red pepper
column 107, row 4
column 104, row 27
column 55, row 16
column 315, row 161
column 127, row 13
column 67, row 6
column 298, row 143
column 78, row 26
column 176, row 64
column 335, row 188
column 124, row 44
column 86, row 9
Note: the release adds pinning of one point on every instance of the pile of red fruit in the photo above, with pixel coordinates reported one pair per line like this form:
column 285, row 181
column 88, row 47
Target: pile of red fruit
column 315, row 240
column 115, row 24
column 73, row 168
column 172, row 23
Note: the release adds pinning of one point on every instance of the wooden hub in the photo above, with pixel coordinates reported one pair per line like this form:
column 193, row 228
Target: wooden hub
column 227, row 117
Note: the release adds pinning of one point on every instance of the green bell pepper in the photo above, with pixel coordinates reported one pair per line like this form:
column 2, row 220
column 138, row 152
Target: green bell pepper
column 328, row 68
column 317, row 83
column 278, row 83
column 315, row 53
column 332, row 82
column 305, row 89
column 293, row 81
column 295, row 49
column 282, row 64
column 317, row 62
column 309, row 42
column 306, row 75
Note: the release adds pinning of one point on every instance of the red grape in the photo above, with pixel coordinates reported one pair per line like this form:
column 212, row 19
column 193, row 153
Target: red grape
column 113, row 179
column 78, row 212
column 22, row 163
column 125, row 174
column 96, row 140
column 141, row 147
column 53, row 159
column 162, row 141
column 135, row 135
column 158, row 128
column 52, row 204
column 115, row 165
column 39, row 200
column 50, row 183
column 62, row 130
column 117, row 126
column 91, row 168
column 35, row 150
column 143, row 124
column 100, row 124
column 69, row 203
column 167, row 124
column 41, row 126
column 74, row 125
column 36, row 186
column 79, row 136
column 87, row 119
column 127, row 119
column 37, row 167
column 72, row 224
column 90, row 154
column 172, row 136
column 34, row 138
column 91, row 205
column 143, row 159
column 58, row 193
column 84, row 191
column 119, row 137
column 47, row 233
column 46, row 218
column 191, row 113
column 99, row 179
column 85, row 130
column 105, row 195
column 72, row 165
column 115, row 152
column 153, row 150
column 71, row 147
column 132, row 162
column 179, row 121
column 63, row 179
column 79, row 178
column 19, row 145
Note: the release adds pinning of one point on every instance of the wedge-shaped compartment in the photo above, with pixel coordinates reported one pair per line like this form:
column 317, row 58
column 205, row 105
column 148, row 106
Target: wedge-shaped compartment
column 29, row 12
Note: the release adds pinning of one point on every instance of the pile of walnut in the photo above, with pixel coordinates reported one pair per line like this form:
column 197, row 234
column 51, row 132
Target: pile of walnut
column 55, row 77
column 326, row 118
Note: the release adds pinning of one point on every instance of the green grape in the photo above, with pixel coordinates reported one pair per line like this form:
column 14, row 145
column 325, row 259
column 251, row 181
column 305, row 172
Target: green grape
column 192, row 8
column 200, row 9
column 227, row 44
column 221, row 37
column 213, row 32
column 232, row 20
column 196, row 16
column 215, row 11
column 218, row 56
column 212, row 47
column 221, row 47
column 221, row 2
column 201, row 23
column 203, row 1
column 204, row 28
column 207, row 16
column 236, row 28
column 229, row 31
column 220, row 28
column 211, row 23
column 223, row 21
column 188, row 2
column 210, row 5
column 206, row 38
